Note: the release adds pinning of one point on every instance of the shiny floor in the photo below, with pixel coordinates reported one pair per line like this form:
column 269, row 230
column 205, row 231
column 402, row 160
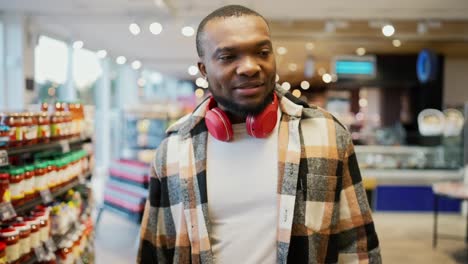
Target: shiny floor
column 404, row 238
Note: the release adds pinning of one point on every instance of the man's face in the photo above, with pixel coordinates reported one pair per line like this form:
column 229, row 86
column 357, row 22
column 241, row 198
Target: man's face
column 239, row 63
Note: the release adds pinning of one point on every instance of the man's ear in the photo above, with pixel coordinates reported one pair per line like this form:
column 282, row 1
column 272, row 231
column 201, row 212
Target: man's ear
column 202, row 68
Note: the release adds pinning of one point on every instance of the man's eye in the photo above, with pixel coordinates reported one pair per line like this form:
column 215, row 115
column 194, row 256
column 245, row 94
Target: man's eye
column 264, row 53
column 226, row 57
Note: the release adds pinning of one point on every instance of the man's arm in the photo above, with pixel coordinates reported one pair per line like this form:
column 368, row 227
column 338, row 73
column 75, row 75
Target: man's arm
column 147, row 252
column 358, row 242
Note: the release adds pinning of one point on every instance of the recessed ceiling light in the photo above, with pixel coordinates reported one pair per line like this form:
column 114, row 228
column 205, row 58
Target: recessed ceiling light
column 286, row 86
column 188, row 31
column 101, row 54
column 396, row 43
column 361, row 51
column 192, row 70
column 326, row 78
column 388, row 30
column 120, row 60
column 136, row 65
column 78, row 44
column 155, row 28
column 297, row 93
column 199, row 81
column 281, row 50
column 199, row 93
column 305, row 85
column 134, row 29
column 292, row 67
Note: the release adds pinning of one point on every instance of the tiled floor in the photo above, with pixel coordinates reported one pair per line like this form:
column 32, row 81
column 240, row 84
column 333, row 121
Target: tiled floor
column 404, row 238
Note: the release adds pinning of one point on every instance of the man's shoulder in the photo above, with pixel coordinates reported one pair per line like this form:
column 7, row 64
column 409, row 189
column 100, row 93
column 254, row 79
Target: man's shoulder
column 317, row 114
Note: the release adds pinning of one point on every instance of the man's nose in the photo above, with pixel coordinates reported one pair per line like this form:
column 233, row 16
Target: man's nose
column 248, row 66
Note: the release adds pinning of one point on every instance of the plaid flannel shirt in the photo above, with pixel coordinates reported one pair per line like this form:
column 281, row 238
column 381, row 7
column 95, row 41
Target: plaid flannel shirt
column 323, row 213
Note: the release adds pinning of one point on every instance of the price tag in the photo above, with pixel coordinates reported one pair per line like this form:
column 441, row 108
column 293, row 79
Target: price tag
column 40, row 253
column 3, row 158
column 46, row 196
column 7, row 211
column 50, row 245
column 65, row 146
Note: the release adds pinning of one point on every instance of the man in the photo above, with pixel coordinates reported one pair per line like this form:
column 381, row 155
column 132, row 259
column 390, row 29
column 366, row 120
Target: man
column 254, row 175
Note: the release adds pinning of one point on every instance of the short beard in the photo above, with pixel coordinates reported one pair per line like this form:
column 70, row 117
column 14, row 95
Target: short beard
column 243, row 111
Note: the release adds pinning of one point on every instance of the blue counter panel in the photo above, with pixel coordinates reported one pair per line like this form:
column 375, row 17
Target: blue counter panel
column 411, row 198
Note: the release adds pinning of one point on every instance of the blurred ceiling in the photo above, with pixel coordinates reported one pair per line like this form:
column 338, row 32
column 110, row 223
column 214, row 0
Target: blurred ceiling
column 330, row 27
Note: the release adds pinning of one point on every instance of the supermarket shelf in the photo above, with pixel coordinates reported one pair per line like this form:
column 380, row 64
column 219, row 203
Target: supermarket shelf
column 47, row 146
column 31, row 204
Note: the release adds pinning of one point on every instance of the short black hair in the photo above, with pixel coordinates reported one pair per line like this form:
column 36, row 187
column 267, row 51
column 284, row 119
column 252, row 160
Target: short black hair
column 223, row 12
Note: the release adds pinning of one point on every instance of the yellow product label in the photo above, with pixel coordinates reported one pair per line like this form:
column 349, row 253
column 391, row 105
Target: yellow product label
column 3, row 260
column 19, row 133
column 55, row 130
column 7, row 197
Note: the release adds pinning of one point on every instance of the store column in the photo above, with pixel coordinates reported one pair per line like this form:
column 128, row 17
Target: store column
column 127, row 90
column 12, row 81
column 102, row 117
column 68, row 93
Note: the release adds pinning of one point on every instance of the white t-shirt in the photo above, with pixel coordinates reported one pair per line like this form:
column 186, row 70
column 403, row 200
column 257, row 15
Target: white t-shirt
column 242, row 179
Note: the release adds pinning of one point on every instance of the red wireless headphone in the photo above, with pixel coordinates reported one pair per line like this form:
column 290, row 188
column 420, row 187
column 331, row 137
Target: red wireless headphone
column 259, row 126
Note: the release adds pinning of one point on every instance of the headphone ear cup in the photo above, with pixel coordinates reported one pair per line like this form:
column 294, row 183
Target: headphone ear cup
column 261, row 125
column 218, row 124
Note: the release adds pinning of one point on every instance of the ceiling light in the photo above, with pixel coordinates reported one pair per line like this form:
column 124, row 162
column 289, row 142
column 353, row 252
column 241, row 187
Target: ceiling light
column 134, row 29
column 286, row 86
column 396, row 43
column 155, row 28
column 277, row 78
column 297, row 93
column 78, row 44
column 305, row 85
column 193, row 70
column 188, row 31
column 205, row 84
column 281, row 50
column 361, row 51
column 363, row 102
column 292, row 67
column 101, row 54
column 199, row 81
column 136, row 65
column 327, row 78
column 309, row 46
column 388, row 30
column 121, row 60
column 199, row 93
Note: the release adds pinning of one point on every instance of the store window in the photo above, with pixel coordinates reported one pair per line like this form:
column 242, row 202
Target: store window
column 50, row 66
column 86, row 71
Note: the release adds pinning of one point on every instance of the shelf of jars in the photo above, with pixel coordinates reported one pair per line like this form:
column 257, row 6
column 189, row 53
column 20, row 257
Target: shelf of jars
column 59, row 126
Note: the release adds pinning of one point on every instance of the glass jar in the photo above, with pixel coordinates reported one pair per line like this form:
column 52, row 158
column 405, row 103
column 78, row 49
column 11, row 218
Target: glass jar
column 17, row 186
column 64, row 252
column 67, row 125
column 10, row 237
column 35, row 236
column 41, row 176
column 44, row 225
column 30, row 128
column 4, row 134
column 16, row 123
column 25, row 241
column 56, row 124
column 30, row 176
column 51, row 174
column 43, row 127
column 5, row 194
column 3, row 259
